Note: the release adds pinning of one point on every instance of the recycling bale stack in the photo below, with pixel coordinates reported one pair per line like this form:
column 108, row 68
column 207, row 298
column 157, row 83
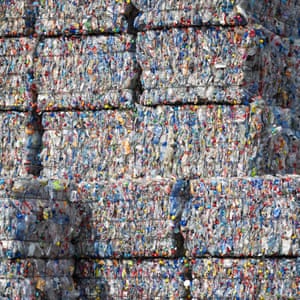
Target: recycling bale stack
column 165, row 136
column 37, row 227
column 219, row 80
column 86, row 77
column 126, row 226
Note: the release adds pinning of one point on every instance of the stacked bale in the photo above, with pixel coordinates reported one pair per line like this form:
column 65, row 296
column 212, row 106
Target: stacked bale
column 249, row 217
column 130, row 218
column 258, row 278
column 86, row 72
column 12, row 147
column 281, row 17
column 17, row 17
column 83, row 17
column 89, row 145
column 16, row 83
column 136, row 219
column 132, row 279
column 37, row 227
column 210, row 64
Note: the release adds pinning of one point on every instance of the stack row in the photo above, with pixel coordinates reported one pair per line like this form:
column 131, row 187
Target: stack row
column 229, row 217
column 185, row 141
column 281, row 17
column 210, row 278
column 36, row 233
column 108, row 223
column 192, row 65
column 84, row 17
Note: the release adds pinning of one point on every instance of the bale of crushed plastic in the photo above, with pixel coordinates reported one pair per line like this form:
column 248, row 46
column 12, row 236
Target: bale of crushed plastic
column 242, row 217
column 130, row 218
column 87, row 145
column 12, row 144
column 17, row 17
column 16, row 70
column 211, row 65
column 131, row 279
column 234, row 278
column 38, row 225
column 278, row 16
column 86, row 72
column 83, row 17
